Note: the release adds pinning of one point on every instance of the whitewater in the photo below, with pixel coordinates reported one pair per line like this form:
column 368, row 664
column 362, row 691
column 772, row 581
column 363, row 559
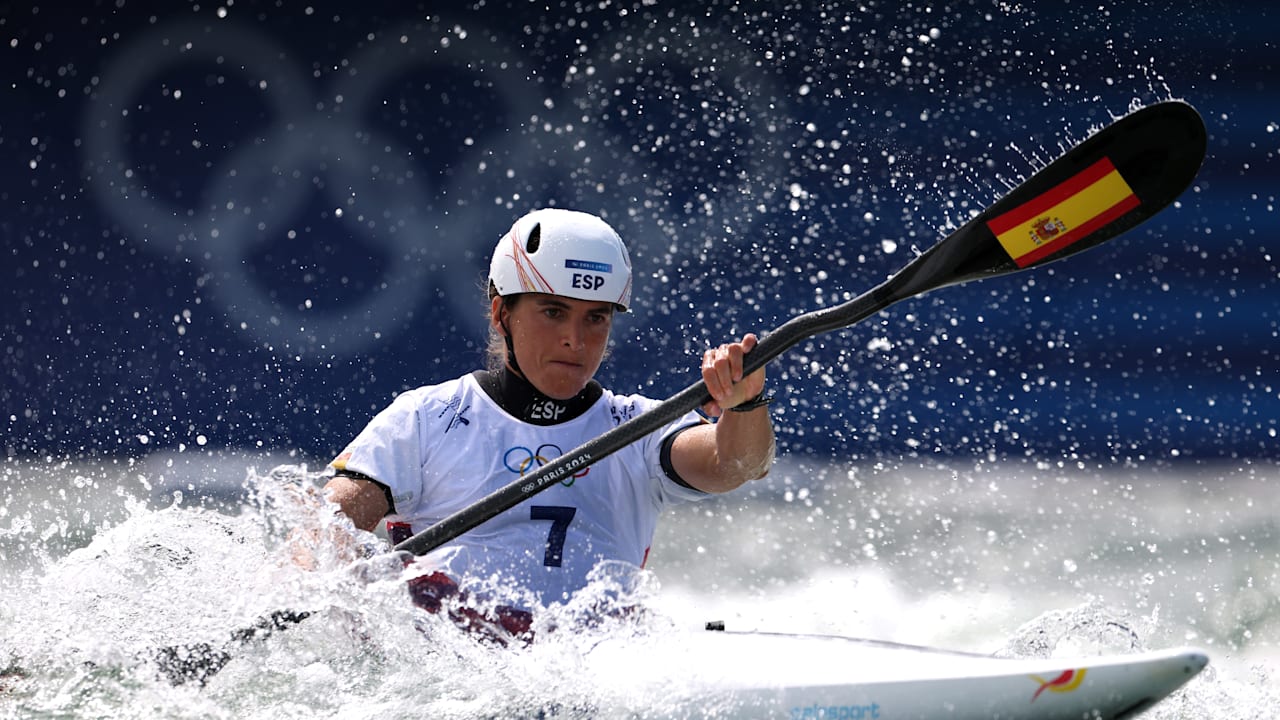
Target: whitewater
column 107, row 561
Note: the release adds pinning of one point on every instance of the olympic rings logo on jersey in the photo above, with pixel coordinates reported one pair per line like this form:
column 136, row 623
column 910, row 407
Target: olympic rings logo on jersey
column 549, row 141
column 521, row 460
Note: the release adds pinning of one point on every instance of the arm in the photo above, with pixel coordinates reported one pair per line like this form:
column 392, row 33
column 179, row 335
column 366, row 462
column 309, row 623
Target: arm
column 740, row 446
column 364, row 501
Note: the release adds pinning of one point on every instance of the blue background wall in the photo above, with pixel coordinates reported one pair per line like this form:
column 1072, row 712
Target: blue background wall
column 246, row 226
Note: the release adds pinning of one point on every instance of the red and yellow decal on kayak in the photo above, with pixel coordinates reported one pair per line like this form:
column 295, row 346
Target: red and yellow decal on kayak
column 1064, row 214
column 1065, row 682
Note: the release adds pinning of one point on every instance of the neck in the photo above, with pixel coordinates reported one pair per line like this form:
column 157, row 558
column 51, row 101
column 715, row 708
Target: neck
column 522, row 400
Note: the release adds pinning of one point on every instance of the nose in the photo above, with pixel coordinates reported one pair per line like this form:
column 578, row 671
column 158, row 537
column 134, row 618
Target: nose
column 574, row 336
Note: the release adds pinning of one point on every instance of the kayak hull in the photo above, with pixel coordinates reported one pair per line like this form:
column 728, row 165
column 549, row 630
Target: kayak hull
column 809, row 677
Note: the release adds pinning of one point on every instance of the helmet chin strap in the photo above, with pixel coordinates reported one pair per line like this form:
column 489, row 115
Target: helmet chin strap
column 511, row 348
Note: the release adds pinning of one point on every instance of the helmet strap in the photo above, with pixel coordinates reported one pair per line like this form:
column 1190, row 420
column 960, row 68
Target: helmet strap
column 511, row 348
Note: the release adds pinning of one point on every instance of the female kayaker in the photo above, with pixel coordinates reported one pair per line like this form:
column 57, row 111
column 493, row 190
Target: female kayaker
column 556, row 280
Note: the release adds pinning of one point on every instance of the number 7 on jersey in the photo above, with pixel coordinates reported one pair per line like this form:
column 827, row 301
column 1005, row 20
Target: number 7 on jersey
column 560, row 517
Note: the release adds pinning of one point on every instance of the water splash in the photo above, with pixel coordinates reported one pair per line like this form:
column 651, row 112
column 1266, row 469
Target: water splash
column 943, row 557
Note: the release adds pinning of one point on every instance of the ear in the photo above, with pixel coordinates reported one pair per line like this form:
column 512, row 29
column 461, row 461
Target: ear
column 496, row 309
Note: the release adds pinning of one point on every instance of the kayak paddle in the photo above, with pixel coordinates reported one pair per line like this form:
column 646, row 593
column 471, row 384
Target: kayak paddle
column 1107, row 184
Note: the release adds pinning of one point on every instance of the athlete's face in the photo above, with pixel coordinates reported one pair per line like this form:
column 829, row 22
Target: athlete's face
column 559, row 341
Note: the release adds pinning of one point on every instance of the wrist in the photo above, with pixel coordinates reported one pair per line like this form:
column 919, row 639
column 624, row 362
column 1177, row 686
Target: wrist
column 759, row 401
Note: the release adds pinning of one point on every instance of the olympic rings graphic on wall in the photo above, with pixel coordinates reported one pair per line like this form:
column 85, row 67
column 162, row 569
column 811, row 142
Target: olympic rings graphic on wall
column 431, row 242
column 521, row 460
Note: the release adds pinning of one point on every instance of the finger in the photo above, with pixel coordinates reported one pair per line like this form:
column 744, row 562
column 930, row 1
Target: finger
column 730, row 366
column 717, row 372
column 749, row 343
column 724, row 370
column 740, row 350
column 709, row 374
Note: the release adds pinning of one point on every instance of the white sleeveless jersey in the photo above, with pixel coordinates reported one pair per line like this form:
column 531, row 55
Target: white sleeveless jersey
column 441, row 448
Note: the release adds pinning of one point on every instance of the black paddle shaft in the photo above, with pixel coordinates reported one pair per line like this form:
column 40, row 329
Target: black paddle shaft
column 1157, row 150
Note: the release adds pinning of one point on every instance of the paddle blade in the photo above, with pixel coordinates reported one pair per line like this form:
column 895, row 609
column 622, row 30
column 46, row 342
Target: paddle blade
column 1106, row 185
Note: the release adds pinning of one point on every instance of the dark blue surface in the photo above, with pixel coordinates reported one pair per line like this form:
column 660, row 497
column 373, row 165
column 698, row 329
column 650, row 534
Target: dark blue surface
column 755, row 159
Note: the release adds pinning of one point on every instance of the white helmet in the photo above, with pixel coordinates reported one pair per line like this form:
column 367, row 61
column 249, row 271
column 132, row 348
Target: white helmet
column 563, row 252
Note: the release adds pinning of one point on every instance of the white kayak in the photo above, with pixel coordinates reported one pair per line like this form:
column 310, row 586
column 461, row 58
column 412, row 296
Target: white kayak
column 750, row 674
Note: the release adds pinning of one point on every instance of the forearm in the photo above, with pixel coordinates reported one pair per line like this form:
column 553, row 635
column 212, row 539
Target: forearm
column 722, row 457
column 744, row 446
column 740, row 446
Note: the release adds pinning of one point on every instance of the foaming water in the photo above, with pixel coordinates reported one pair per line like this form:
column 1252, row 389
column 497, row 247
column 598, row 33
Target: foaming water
column 107, row 564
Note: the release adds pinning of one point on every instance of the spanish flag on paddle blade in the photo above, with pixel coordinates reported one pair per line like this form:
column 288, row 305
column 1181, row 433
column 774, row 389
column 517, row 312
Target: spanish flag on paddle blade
column 1068, row 212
